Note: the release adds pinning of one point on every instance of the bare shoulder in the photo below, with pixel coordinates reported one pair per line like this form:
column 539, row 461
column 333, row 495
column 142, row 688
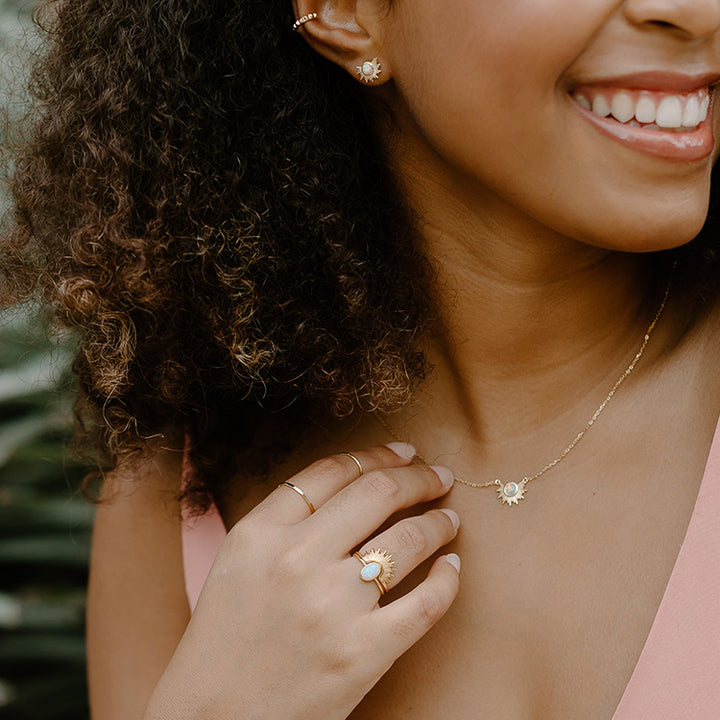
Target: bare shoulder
column 137, row 608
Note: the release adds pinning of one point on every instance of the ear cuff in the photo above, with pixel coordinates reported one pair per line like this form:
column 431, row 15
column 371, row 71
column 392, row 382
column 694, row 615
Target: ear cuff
column 304, row 19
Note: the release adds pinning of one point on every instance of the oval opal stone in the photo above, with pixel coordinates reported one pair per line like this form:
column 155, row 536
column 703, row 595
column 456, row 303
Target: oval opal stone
column 371, row 571
column 368, row 68
column 511, row 489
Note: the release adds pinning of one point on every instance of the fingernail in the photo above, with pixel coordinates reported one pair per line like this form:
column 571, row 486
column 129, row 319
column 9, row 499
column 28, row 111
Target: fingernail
column 403, row 450
column 445, row 474
column 454, row 560
column 454, row 517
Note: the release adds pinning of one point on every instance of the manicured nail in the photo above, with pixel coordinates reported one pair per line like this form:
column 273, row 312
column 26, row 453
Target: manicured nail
column 454, row 517
column 403, row 450
column 454, row 560
column 445, row 474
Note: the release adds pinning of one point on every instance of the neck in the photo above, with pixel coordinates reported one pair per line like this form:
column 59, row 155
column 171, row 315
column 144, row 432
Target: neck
column 536, row 327
column 506, row 320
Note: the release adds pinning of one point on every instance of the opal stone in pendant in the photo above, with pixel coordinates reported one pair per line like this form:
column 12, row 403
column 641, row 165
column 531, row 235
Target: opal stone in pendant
column 511, row 493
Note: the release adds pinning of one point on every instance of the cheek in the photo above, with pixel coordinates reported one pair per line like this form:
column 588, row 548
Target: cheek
column 482, row 83
column 452, row 66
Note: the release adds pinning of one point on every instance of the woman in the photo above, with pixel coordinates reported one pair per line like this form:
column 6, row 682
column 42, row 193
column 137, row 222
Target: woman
column 468, row 228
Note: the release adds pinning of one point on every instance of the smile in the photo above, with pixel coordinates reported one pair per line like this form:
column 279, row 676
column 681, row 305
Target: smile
column 649, row 109
column 669, row 125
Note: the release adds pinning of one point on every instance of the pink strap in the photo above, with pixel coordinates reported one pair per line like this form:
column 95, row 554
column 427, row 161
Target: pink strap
column 202, row 537
column 677, row 674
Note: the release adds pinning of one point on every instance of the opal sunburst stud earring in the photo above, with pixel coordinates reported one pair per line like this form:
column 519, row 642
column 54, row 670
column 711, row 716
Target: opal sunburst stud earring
column 369, row 71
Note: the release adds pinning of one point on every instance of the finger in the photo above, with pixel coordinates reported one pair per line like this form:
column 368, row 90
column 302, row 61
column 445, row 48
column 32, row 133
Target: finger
column 396, row 627
column 357, row 511
column 410, row 541
column 324, row 478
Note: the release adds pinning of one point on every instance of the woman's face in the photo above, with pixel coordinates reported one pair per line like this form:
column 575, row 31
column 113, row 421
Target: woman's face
column 511, row 100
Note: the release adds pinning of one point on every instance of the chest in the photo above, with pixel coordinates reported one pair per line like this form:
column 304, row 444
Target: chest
column 558, row 594
column 557, row 598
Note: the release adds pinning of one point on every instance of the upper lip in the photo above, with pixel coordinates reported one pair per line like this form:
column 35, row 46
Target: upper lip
column 658, row 80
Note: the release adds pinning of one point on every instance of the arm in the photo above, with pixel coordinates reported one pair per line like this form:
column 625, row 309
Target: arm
column 137, row 608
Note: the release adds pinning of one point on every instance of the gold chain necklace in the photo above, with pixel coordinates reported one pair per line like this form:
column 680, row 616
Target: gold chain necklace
column 510, row 493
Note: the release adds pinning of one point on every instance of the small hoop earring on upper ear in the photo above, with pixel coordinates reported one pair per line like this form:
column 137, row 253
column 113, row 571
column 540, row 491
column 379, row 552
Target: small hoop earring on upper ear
column 369, row 71
column 304, row 19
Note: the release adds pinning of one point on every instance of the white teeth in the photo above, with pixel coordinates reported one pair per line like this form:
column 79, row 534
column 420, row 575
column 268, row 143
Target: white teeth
column 683, row 112
column 645, row 110
column 601, row 107
column 623, row 107
column 691, row 114
column 670, row 113
column 704, row 107
column 583, row 101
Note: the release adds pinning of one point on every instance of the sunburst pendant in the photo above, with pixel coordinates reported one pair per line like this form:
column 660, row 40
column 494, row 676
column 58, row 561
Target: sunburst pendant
column 511, row 493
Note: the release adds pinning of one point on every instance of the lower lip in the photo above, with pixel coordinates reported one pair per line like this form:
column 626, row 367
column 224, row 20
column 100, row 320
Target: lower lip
column 676, row 146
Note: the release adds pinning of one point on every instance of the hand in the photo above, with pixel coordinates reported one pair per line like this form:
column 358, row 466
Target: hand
column 285, row 627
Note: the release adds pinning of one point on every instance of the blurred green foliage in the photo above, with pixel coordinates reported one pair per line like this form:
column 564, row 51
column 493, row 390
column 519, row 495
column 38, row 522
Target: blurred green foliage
column 45, row 528
column 45, row 524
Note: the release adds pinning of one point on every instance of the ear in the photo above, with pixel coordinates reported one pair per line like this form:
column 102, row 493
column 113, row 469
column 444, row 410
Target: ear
column 349, row 33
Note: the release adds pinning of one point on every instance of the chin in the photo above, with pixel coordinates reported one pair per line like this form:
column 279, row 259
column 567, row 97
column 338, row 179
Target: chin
column 645, row 235
column 662, row 219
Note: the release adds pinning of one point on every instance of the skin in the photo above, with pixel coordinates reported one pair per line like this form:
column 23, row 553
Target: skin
column 520, row 204
column 535, row 221
column 523, row 206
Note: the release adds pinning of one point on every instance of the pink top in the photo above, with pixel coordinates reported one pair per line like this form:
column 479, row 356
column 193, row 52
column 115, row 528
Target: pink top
column 678, row 673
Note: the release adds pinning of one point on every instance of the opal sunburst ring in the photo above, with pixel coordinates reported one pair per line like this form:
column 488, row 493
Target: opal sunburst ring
column 301, row 494
column 369, row 71
column 511, row 493
column 378, row 567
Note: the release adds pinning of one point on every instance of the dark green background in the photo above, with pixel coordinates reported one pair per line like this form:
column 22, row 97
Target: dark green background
column 45, row 524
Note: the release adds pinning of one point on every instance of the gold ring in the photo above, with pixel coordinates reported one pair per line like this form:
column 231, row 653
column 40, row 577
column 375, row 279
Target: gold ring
column 301, row 494
column 378, row 567
column 357, row 462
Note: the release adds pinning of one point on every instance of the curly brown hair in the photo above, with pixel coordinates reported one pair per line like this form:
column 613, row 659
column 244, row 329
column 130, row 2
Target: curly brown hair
column 207, row 202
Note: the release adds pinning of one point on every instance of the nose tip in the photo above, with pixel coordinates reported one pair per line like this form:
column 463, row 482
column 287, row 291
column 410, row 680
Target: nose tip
column 691, row 18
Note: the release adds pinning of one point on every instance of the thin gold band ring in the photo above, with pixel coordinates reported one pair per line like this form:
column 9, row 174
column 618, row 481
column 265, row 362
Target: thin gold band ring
column 301, row 494
column 357, row 462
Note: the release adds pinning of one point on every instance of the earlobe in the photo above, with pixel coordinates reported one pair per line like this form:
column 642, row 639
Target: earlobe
column 335, row 31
